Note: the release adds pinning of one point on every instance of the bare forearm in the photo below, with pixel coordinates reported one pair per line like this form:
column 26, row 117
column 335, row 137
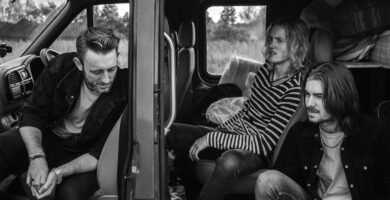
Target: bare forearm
column 32, row 138
column 83, row 163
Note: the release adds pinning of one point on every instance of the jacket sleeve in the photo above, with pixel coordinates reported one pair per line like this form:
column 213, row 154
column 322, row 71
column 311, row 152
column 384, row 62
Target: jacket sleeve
column 35, row 109
column 287, row 161
column 263, row 141
column 385, row 158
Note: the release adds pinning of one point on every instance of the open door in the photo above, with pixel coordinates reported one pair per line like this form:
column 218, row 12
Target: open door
column 139, row 164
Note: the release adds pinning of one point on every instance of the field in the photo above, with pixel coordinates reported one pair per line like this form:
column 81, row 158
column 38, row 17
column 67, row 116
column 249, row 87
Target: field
column 219, row 52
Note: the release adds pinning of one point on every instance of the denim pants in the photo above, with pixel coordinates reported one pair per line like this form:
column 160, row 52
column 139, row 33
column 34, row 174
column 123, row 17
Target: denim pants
column 14, row 160
column 274, row 185
column 230, row 164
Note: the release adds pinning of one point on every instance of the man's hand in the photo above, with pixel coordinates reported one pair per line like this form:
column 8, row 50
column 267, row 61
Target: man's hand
column 199, row 145
column 48, row 188
column 37, row 173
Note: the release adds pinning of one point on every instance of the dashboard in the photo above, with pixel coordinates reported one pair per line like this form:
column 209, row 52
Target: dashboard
column 16, row 84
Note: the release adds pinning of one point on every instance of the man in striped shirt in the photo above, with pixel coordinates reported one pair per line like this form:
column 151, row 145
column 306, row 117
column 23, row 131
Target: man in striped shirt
column 242, row 144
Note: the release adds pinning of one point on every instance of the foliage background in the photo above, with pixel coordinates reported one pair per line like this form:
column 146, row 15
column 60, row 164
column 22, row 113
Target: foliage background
column 21, row 21
column 239, row 31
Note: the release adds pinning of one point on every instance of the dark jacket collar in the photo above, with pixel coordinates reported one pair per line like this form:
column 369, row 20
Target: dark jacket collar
column 310, row 129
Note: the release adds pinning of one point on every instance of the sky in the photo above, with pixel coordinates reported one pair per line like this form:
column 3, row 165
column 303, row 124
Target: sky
column 214, row 12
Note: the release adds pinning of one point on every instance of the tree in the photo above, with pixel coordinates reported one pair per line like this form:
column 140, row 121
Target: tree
column 45, row 10
column 228, row 16
column 32, row 12
column 248, row 14
column 109, row 12
column 208, row 18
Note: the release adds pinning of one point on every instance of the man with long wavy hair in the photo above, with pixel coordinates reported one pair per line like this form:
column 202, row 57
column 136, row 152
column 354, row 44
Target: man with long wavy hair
column 336, row 153
column 243, row 144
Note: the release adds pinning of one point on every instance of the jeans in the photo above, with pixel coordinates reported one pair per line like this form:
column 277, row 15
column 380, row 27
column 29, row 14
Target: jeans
column 14, row 160
column 230, row 164
column 272, row 184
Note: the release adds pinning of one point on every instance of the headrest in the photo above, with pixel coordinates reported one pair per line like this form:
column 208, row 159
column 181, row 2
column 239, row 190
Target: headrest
column 187, row 34
column 322, row 46
column 237, row 71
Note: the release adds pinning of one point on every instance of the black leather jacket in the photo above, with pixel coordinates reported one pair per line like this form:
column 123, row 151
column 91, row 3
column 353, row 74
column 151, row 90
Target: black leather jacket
column 365, row 154
column 54, row 95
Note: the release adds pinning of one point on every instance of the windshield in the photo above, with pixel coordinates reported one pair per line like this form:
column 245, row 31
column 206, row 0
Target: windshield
column 22, row 20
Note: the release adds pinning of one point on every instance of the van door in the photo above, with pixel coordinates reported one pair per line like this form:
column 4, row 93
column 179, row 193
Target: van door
column 139, row 169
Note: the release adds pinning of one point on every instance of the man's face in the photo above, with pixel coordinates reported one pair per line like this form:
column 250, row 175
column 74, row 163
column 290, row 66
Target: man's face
column 314, row 102
column 99, row 70
column 277, row 49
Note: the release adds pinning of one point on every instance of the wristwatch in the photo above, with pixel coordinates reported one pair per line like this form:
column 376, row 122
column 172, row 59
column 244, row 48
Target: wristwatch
column 58, row 174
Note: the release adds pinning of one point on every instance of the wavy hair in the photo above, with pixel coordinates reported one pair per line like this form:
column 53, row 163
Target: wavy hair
column 297, row 36
column 98, row 39
column 340, row 95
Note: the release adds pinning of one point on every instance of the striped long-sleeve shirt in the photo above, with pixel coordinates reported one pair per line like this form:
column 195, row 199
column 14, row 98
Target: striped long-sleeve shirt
column 258, row 126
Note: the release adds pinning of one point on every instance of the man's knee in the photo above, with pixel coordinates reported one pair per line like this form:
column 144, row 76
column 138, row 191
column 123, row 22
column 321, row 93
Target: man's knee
column 230, row 162
column 13, row 153
column 267, row 179
column 77, row 187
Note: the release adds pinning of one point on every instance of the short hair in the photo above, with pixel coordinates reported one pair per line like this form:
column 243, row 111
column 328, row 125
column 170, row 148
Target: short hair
column 97, row 39
column 340, row 95
column 297, row 36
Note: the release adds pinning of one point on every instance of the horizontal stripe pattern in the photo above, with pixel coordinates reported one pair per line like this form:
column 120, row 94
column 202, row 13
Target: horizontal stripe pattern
column 258, row 126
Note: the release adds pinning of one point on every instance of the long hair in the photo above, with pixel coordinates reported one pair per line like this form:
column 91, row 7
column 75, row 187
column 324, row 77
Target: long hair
column 97, row 39
column 340, row 95
column 297, row 36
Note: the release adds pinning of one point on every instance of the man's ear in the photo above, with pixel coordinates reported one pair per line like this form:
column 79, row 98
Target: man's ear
column 78, row 64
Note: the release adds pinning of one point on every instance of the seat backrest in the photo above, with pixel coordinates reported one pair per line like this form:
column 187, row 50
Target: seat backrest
column 321, row 46
column 186, row 60
column 108, row 164
column 237, row 71
column 47, row 54
column 383, row 111
column 299, row 115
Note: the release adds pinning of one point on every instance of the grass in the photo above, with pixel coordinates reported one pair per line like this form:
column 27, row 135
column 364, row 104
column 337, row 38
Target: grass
column 220, row 52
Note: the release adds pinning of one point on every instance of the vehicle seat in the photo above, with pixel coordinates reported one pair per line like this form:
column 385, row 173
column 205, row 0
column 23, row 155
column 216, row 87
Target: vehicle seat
column 108, row 164
column 47, row 54
column 245, row 184
column 237, row 71
column 321, row 46
column 186, row 60
column 383, row 111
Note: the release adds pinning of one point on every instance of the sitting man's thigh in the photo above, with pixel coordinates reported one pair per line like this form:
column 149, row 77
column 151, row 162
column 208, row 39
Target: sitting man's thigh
column 77, row 187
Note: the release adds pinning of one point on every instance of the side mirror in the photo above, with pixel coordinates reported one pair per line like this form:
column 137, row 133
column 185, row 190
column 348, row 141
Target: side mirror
column 4, row 49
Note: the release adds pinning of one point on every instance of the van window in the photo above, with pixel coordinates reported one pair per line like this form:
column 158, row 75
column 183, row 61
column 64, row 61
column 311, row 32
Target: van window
column 22, row 21
column 66, row 41
column 234, row 31
column 115, row 16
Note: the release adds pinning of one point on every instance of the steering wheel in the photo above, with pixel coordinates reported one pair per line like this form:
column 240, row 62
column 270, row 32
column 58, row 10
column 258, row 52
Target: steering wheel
column 48, row 54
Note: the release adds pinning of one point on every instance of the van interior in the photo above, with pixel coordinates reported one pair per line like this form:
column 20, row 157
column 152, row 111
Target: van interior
column 198, row 45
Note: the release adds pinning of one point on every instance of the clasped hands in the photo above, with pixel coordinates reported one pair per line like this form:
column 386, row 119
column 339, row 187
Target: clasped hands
column 42, row 182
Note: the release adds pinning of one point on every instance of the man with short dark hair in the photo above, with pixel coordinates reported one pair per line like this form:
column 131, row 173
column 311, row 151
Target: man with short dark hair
column 337, row 153
column 65, row 122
